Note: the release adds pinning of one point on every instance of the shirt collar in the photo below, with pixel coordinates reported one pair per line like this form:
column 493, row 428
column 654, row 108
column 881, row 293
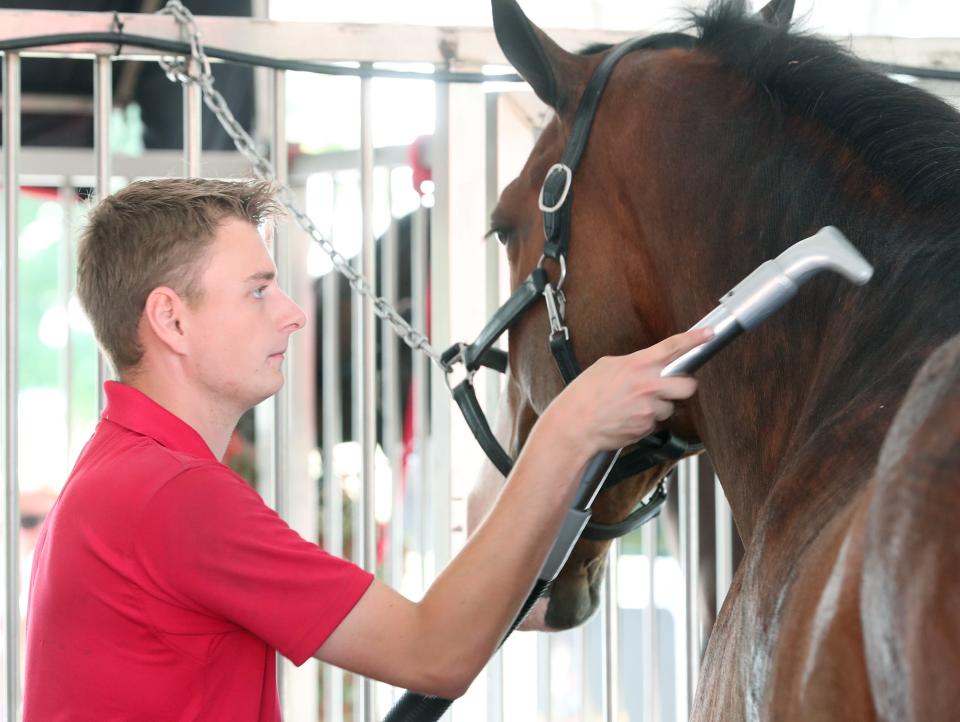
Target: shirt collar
column 139, row 413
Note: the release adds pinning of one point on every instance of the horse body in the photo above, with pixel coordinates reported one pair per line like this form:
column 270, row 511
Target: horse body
column 701, row 165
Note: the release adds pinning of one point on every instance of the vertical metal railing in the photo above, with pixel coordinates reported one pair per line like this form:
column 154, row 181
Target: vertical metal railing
column 192, row 130
column 332, row 434
column 281, row 257
column 103, row 108
column 438, row 463
column 492, row 302
column 611, row 636
column 420, row 380
column 652, row 655
column 688, row 484
column 65, row 285
column 10, row 353
column 390, row 397
column 544, row 677
column 281, row 447
column 368, row 327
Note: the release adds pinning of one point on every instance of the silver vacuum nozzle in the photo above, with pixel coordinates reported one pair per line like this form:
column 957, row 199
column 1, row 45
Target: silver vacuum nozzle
column 827, row 249
column 769, row 287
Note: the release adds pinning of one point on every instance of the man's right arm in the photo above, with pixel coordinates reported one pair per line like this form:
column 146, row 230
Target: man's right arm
column 438, row 645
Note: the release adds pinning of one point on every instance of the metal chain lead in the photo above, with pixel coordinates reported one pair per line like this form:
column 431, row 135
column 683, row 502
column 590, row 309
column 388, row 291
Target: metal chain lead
column 178, row 71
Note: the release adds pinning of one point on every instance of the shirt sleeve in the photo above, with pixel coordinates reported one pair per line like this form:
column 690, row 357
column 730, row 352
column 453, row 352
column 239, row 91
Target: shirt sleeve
column 208, row 540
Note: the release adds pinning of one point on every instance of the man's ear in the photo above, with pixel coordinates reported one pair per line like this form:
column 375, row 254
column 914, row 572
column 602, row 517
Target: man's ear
column 163, row 314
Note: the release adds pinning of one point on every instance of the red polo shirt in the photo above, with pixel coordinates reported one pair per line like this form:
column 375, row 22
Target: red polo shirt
column 162, row 585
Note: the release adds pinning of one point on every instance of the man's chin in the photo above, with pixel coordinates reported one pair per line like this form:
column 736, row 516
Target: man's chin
column 267, row 392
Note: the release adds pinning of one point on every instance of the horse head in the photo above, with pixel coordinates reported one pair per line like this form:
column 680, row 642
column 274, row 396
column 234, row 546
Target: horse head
column 705, row 158
column 614, row 290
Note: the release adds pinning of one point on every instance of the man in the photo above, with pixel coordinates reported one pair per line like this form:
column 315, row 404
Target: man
column 162, row 585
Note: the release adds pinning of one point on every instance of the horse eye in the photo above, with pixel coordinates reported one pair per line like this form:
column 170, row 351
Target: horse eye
column 503, row 236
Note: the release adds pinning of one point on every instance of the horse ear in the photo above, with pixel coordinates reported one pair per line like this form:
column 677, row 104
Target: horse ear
column 535, row 56
column 777, row 12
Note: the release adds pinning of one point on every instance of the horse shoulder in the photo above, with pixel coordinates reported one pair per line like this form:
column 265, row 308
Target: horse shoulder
column 910, row 592
column 790, row 629
column 818, row 639
column 777, row 650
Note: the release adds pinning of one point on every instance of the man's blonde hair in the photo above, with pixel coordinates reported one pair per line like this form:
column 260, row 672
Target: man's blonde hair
column 155, row 233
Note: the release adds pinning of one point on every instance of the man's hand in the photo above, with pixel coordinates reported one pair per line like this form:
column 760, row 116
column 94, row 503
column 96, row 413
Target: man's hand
column 619, row 399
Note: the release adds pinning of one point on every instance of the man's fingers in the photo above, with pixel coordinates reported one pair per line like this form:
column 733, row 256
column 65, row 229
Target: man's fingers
column 662, row 410
column 674, row 346
column 677, row 387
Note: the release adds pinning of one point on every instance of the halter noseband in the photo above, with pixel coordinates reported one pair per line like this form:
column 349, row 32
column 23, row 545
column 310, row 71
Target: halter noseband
column 556, row 199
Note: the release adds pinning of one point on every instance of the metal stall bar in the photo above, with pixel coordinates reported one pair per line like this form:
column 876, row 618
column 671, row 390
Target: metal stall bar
column 723, row 526
column 65, row 289
column 492, row 296
column 368, row 326
column 103, row 108
column 332, row 434
column 192, row 118
column 420, row 378
column 611, row 636
column 437, row 466
column 689, row 485
column 281, row 257
column 10, row 353
column 493, row 254
column 651, row 680
column 544, row 676
column 390, row 393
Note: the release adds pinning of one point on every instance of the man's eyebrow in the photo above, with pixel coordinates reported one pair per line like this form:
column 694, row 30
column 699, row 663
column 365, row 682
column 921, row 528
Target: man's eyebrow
column 260, row 276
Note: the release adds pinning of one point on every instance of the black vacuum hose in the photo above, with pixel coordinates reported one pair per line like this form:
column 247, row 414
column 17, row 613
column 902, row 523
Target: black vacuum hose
column 414, row 707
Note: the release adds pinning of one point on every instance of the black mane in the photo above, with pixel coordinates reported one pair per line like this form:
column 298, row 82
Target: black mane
column 908, row 137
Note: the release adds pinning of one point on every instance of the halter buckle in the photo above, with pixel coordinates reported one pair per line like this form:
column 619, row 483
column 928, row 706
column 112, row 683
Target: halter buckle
column 451, row 363
column 568, row 179
column 555, row 308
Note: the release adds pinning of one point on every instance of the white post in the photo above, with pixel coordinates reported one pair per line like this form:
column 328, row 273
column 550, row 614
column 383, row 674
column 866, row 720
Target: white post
column 103, row 109
column 368, row 346
column 192, row 134
column 652, row 656
column 11, row 391
column 689, row 487
column 611, row 635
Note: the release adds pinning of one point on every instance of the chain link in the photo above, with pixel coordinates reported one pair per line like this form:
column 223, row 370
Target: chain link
column 179, row 70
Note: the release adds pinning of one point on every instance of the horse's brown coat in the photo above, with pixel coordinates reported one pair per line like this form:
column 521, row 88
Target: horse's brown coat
column 845, row 604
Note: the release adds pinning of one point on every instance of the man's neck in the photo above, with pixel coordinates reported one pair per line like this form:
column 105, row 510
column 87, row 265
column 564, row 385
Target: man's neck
column 214, row 424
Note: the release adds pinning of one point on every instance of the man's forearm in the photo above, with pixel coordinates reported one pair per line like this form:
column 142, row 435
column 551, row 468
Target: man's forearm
column 466, row 620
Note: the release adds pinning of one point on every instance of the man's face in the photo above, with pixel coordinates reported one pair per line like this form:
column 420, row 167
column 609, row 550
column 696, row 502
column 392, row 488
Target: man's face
column 240, row 326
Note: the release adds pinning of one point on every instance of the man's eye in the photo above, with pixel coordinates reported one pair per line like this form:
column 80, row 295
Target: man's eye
column 258, row 292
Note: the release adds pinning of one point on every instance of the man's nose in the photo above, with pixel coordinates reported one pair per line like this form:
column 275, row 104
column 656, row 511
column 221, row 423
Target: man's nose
column 294, row 317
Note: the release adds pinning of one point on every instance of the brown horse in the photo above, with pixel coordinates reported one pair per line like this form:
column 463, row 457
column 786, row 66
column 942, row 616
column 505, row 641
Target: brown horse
column 844, row 480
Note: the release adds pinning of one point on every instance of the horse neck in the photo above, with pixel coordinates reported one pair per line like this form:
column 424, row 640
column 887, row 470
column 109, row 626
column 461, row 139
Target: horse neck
column 773, row 406
column 793, row 413
column 731, row 183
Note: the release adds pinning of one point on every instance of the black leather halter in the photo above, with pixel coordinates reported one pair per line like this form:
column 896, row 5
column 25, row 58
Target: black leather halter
column 556, row 199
